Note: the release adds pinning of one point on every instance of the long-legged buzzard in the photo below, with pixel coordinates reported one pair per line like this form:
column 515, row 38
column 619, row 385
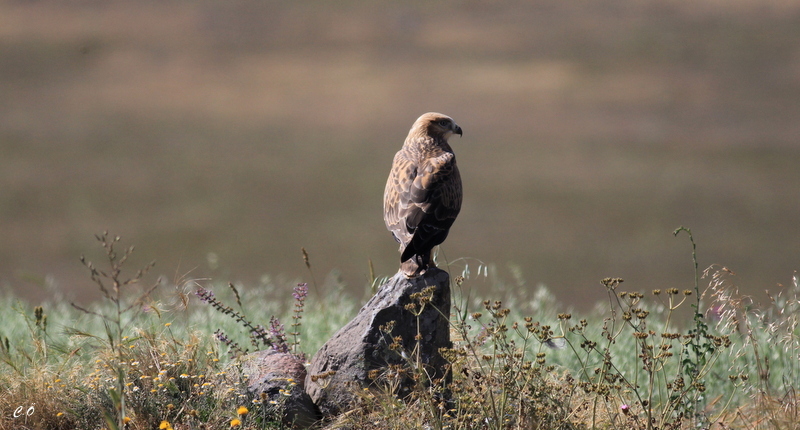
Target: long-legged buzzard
column 423, row 194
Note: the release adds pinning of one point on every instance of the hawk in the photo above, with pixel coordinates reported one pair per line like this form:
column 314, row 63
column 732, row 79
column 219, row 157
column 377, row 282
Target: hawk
column 423, row 193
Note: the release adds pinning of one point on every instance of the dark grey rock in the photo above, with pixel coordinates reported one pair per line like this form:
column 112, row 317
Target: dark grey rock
column 277, row 380
column 361, row 354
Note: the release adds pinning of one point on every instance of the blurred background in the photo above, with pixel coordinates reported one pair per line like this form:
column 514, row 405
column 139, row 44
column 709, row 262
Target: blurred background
column 221, row 137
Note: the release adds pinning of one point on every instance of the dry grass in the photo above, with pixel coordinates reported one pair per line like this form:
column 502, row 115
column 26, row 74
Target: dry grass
column 633, row 363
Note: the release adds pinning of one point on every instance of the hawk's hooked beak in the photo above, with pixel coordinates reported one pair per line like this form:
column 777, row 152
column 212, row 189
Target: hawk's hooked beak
column 458, row 131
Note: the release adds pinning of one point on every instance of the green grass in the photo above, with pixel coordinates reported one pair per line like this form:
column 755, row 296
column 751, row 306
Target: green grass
column 519, row 362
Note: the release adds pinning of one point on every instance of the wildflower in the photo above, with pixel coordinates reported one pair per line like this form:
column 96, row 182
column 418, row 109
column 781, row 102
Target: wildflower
column 236, row 422
column 126, row 420
column 204, row 295
column 625, row 409
column 242, row 410
column 184, row 375
column 165, row 425
column 277, row 332
column 60, row 414
column 300, row 292
column 167, row 324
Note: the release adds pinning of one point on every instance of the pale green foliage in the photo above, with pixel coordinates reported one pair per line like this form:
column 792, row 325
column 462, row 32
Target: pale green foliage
column 521, row 361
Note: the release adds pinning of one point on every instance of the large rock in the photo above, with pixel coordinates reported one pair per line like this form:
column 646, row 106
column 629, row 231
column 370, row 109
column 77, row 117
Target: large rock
column 382, row 340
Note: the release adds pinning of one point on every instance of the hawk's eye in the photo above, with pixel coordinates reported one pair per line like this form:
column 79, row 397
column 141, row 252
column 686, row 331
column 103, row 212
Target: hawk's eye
column 444, row 122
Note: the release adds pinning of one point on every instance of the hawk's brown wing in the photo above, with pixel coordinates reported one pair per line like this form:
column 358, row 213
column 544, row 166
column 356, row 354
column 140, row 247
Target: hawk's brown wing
column 421, row 201
column 396, row 197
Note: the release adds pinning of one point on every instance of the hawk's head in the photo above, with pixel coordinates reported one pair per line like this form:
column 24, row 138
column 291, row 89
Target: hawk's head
column 435, row 125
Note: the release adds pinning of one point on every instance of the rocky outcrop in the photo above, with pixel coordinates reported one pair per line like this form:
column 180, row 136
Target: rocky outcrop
column 396, row 335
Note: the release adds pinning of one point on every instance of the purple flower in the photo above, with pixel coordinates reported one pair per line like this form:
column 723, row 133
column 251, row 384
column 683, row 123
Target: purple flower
column 276, row 331
column 300, row 292
column 222, row 337
column 204, row 295
column 625, row 409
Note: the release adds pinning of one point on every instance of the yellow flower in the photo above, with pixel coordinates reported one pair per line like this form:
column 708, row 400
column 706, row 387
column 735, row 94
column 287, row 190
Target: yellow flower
column 164, row 425
column 235, row 422
column 167, row 324
column 126, row 420
column 60, row 414
column 242, row 410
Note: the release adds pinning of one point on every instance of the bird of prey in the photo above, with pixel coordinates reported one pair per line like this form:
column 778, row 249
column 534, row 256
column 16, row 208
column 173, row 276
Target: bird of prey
column 423, row 193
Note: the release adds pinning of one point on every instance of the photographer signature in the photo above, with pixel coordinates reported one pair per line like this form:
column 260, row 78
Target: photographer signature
column 21, row 412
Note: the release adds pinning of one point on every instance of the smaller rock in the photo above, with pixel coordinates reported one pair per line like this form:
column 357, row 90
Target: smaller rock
column 277, row 379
